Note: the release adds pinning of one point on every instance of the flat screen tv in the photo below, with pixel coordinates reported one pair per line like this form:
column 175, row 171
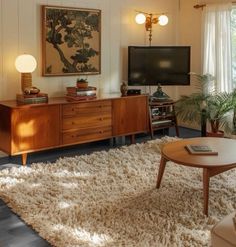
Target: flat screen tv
column 151, row 65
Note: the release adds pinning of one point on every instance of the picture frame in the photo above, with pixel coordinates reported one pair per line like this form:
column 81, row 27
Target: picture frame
column 71, row 41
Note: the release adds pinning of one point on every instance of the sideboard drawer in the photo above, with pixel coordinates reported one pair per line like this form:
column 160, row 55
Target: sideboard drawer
column 87, row 121
column 84, row 121
column 86, row 108
column 88, row 134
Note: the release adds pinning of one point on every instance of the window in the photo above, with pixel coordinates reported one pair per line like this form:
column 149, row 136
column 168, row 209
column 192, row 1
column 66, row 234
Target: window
column 217, row 45
column 233, row 40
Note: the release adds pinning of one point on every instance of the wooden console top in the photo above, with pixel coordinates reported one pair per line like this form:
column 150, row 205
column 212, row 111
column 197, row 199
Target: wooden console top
column 62, row 100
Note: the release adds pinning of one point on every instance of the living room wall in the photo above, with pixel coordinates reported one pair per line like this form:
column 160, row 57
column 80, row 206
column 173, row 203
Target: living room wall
column 20, row 32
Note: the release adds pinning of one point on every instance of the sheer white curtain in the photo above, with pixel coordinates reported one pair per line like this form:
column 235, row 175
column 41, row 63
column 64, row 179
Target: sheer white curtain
column 217, row 44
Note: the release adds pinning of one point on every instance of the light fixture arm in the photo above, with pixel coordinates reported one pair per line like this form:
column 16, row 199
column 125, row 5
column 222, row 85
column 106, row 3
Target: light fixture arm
column 149, row 19
column 148, row 25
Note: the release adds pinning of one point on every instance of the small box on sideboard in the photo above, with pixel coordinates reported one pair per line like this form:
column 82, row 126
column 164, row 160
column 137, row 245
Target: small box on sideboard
column 86, row 93
column 133, row 92
column 32, row 98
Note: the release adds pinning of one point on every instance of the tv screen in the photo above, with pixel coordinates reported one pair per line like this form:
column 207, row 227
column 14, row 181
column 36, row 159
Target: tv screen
column 150, row 65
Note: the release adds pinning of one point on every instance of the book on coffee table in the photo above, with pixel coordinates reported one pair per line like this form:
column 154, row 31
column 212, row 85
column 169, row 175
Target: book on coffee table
column 200, row 149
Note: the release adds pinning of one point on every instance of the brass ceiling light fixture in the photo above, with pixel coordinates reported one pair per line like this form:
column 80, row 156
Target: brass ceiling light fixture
column 149, row 19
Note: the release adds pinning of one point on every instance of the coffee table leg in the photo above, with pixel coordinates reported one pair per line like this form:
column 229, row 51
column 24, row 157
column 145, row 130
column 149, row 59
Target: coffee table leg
column 206, row 180
column 161, row 171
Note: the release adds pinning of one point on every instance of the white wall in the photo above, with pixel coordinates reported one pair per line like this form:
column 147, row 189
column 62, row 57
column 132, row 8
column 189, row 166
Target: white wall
column 189, row 33
column 20, row 32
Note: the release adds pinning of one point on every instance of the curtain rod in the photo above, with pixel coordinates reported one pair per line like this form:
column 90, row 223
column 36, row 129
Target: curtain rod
column 198, row 6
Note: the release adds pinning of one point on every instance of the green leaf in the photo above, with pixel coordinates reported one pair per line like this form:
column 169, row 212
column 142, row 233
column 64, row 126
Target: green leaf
column 219, row 107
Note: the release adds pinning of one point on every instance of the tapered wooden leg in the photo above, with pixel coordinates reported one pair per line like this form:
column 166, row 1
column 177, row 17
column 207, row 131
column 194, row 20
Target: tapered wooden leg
column 24, row 159
column 111, row 141
column 161, row 171
column 177, row 129
column 206, row 180
column 132, row 139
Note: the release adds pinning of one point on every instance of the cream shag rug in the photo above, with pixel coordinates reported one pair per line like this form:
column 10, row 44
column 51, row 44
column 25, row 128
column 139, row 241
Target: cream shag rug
column 109, row 198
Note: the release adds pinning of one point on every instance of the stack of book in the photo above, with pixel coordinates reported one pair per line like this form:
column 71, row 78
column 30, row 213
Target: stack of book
column 32, row 98
column 200, row 149
column 75, row 93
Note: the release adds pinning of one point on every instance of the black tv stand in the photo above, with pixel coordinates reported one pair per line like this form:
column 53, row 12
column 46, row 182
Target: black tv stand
column 159, row 95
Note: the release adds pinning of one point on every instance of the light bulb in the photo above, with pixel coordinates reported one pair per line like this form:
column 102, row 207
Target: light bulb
column 25, row 63
column 163, row 20
column 140, row 18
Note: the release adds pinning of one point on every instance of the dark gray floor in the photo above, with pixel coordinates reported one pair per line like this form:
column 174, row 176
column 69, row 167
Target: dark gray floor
column 13, row 231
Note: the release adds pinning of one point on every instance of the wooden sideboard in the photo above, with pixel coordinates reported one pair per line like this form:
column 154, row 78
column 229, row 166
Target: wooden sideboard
column 29, row 128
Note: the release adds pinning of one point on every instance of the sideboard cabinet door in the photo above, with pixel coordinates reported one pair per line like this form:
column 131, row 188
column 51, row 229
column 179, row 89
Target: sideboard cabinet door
column 35, row 128
column 130, row 115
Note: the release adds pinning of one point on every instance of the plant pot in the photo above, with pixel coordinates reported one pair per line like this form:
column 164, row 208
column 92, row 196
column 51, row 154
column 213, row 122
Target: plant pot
column 233, row 136
column 82, row 84
column 220, row 133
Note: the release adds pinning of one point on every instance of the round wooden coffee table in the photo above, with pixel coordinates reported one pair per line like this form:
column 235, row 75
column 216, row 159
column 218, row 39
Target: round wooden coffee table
column 211, row 164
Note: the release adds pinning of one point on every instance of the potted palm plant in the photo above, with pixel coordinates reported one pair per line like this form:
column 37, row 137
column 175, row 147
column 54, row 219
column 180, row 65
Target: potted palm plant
column 207, row 106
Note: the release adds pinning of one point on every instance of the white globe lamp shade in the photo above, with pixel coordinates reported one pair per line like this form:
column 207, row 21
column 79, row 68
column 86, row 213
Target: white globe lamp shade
column 140, row 18
column 163, row 20
column 25, row 63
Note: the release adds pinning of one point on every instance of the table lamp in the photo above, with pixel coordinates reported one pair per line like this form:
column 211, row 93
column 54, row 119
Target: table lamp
column 25, row 64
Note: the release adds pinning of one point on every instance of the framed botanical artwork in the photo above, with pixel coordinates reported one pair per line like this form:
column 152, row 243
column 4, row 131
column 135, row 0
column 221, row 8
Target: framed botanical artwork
column 71, row 41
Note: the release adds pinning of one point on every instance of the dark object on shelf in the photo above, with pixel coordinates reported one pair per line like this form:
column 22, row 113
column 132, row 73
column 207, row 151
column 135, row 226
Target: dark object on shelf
column 200, row 149
column 159, row 95
column 162, row 116
column 124, row 89
column 133, row 91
